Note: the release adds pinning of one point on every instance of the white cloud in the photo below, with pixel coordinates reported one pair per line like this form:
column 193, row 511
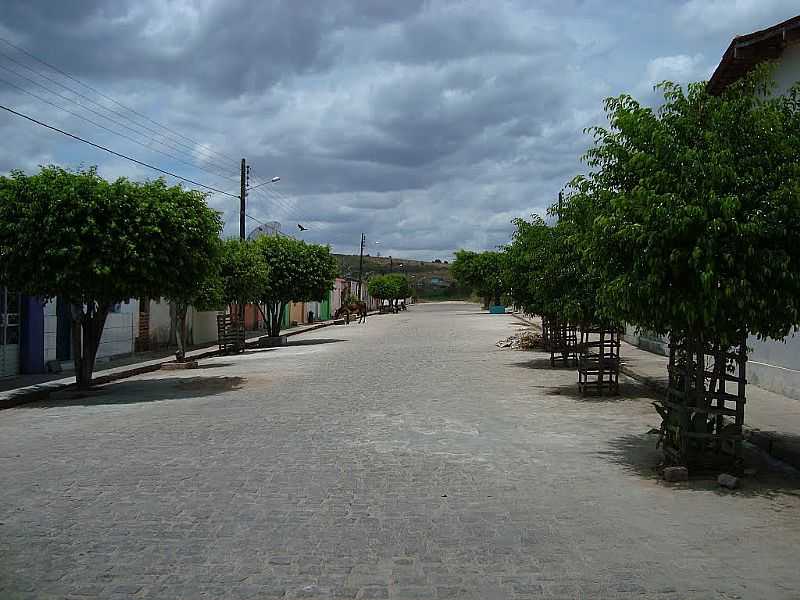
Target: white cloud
column 734, row 17
column 679, row 68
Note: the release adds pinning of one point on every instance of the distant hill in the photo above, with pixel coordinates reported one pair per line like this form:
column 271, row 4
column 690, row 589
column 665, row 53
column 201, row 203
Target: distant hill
column 430, row 279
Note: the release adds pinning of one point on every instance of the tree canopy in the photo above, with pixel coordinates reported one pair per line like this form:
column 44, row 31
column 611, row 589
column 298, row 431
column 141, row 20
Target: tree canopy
column 481, row 272
column 94, row 244
column 298, row 272
column 696, row 208
column 244, row 272
column 548, row 271
column 392, row 286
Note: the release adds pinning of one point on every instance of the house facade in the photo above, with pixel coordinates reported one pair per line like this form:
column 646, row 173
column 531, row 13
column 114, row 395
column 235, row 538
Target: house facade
column 36, row 336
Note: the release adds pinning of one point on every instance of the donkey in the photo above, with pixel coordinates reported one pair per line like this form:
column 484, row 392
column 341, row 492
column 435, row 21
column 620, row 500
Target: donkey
column 356, row 307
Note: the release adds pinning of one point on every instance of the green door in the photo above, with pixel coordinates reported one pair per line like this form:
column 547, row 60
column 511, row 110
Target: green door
column 325, row 308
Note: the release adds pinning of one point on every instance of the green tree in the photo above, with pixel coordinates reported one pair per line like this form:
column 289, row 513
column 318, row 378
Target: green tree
column 481, row 272
column 697, row 207
column 380, row 287
column 95, row 244
column 547, row 270
column 298, row 272
column 527, row 257
column 244, row 273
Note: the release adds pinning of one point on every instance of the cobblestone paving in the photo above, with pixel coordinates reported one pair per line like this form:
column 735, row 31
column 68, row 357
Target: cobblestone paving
column 408, row 458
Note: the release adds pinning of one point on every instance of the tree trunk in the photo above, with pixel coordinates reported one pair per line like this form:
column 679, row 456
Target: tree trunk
column 87, row 329
column 263, row 316
column 180, row 316
column 77, row 336
column 275, row 312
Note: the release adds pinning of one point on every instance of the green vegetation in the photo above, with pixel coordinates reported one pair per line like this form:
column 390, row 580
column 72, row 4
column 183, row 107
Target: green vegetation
column 393, row 287
column 95, row 244
column 697, row 208
column 298, row 272
column 483, row 273
column 244, row 272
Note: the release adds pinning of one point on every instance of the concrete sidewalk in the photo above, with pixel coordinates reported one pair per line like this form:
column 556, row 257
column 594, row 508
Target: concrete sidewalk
column 31, row 388
column 772, row 421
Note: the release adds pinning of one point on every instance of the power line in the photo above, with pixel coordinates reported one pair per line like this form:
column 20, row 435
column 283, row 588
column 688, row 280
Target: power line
column 264, row 195
column 288, row 205
column 119, row 154
column 146, row 129
column 122, row 135
column 107, row 97
column 96, row 124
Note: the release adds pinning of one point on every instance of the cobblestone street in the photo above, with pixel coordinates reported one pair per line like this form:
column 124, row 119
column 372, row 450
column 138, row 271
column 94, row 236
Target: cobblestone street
column 405, row 458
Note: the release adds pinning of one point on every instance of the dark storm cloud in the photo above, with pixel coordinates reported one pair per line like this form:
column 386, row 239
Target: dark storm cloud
column 427, row 124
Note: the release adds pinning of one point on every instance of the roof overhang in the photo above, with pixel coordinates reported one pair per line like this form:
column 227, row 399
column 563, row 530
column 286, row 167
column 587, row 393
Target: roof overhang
column 746, row 51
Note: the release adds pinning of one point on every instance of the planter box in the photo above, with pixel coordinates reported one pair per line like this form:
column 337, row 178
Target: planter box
column 272, row 342
column 497, row 310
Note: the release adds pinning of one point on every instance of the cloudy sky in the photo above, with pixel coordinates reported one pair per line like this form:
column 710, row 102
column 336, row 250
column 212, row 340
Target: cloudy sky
column 428, row 125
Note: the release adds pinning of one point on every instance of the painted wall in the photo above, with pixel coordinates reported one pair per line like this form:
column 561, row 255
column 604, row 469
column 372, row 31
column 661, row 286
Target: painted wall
column 120, row 331
column 118, row 335
column 31, row 348
column 50, row 330
column 159, row 323
column 204, row 327
column 787, row 72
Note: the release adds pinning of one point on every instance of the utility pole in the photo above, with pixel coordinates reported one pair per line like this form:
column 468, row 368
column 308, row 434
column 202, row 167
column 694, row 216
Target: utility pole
column 242, row 198
column 361, row 262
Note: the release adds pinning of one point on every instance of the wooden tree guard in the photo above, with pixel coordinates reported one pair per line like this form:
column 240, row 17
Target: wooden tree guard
column 703, row 412
column 598, row 361
column 563, row 342
column 546, row 333
column 230, row 334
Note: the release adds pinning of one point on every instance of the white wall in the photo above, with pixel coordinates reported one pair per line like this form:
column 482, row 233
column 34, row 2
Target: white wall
column 118, row 335
column 204, row 327
column 787, row 72
column 50, row 331
column 775, row 365
column 120, row 331
column 159, row 323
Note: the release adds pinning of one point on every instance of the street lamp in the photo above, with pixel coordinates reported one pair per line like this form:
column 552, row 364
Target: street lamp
column 244, row 189
column 273, row 180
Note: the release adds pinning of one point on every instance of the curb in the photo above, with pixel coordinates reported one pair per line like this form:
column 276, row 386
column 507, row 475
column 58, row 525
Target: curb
column 42, row 391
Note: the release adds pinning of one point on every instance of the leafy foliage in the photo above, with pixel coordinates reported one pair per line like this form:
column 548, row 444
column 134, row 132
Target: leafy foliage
column 298, row 272
column 548, row 270
column 93, row 243
column 389, row 287
column 482, row 272
column 697, row 207
column 244, row 272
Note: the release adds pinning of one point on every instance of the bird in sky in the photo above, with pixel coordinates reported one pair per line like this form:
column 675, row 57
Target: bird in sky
column 301, row 228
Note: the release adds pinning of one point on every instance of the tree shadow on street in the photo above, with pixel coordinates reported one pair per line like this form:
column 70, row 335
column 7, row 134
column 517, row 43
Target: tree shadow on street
column 628, row 390
column 141, row 391
column 313, row 342
column 637, row 453
column 543, row 363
